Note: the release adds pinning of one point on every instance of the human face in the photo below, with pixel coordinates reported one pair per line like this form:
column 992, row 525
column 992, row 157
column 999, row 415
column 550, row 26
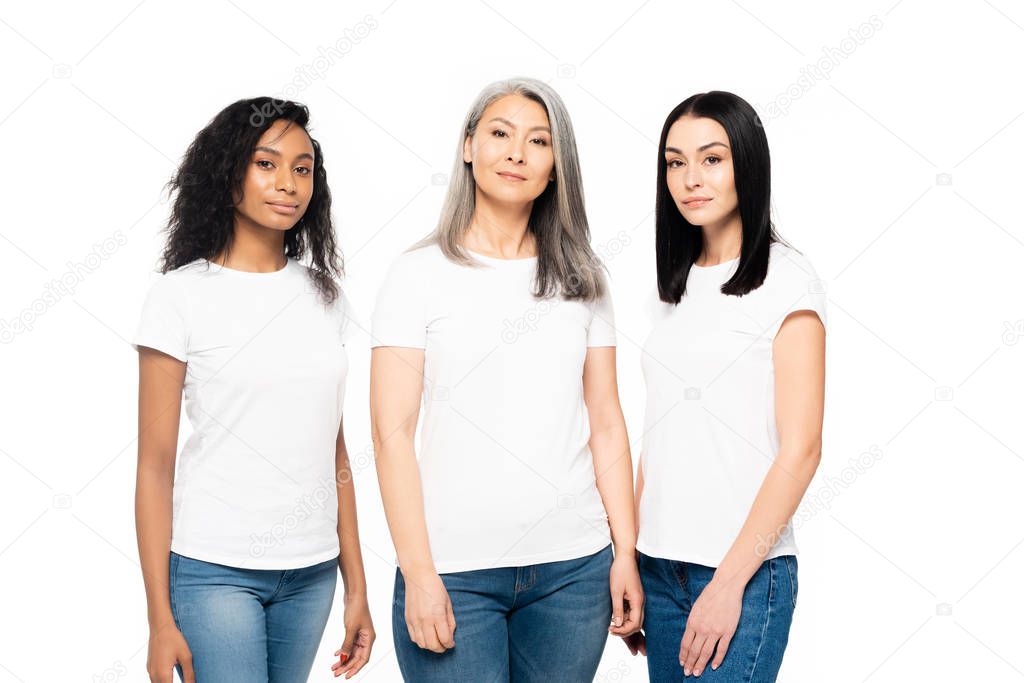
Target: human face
column 699, row 171
column 511, row 150
column 278, row 183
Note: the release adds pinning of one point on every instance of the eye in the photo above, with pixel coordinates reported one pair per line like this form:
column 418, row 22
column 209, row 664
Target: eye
column 303, row 170
column 540, row 141
column 674, row 163
column 260, row 162
column 715, row 159
column 498, row 133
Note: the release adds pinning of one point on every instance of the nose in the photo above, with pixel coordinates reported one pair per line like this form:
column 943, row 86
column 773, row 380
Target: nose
column 693, row 178
column 515, row 154
column 284, row 180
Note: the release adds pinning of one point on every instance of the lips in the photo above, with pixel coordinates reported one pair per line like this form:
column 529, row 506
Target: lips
column 693, row 202
column 508, row 175
column 285, row 208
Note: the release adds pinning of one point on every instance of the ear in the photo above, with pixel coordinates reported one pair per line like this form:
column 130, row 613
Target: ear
column 467, row 150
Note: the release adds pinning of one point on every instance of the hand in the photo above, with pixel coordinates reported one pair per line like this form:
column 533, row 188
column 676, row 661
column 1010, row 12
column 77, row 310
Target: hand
column 354, row 652
column 428, row 612
column 627, row 596
column 636, row 642
column 712, row 621
column 167, row 647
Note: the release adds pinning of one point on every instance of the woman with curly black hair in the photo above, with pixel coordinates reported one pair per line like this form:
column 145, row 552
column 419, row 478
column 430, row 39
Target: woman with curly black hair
column 240, row 542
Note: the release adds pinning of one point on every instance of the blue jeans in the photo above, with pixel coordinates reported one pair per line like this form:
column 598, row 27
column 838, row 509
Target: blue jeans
column 755, row 652
column 542, row 622
column 251, row 625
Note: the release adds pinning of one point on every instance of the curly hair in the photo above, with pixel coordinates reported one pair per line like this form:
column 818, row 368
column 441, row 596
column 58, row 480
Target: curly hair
column 212, row 173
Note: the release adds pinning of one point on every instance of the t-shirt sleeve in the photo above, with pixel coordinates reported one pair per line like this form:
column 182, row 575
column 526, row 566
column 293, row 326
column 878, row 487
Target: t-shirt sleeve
column 163, row 324
column 349, row 319
column 802, row 290
column 602, row 324
column 399, row 316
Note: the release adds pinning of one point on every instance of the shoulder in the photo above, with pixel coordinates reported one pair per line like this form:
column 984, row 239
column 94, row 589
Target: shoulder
column 189, row 271
column 785, row 261
column 426, row 256
column 416, row 263
column 790, row 270
column 176, row 283
column 183, row 277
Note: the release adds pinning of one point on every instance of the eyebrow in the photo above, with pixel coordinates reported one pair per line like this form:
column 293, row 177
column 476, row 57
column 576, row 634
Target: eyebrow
column 271, row 150
column 512, row 125
column 699, row 149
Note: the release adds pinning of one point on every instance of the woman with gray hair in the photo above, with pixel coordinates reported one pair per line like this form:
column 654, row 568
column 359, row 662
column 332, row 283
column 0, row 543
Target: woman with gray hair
column 502, row 322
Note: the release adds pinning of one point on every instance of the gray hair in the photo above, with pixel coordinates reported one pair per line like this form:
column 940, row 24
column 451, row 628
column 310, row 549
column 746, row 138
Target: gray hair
column 566, row 264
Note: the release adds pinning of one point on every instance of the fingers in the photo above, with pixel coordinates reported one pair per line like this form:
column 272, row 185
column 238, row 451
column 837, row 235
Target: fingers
column 634, row 618
column 359, row 655
column 686, row 645
column 187, row 669
column 632, row 611
column 704, row 656
column 723, row 645
column 443, row 626
column 431, row 637
column 617, row 609
column 343, row 663
column 359, row 659
column 344, row 652
column 346, row 645
column 451, row 620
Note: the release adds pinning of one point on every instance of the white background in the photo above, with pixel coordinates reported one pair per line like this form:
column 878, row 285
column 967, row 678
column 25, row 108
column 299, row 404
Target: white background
column 898, row 176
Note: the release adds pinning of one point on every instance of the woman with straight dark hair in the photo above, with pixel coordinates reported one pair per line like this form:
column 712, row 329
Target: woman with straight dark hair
column 735, row 374
column 501, row 323
column 239, row 536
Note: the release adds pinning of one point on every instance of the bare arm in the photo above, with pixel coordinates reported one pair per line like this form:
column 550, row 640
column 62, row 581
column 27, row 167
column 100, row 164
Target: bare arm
column 609, row 445
column 161, row 378
column 613, row 469
column 351, row 559
column 354, row 652
column 396, row 385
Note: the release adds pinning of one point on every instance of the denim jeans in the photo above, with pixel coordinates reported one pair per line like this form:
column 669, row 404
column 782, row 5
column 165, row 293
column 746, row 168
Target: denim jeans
column 543, row 622
column 251, row 625
column 755, row 652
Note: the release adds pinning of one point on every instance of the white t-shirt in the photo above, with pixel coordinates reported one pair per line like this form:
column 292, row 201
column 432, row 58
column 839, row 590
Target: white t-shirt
column 709, row 433
column 264, row 387
column 506, row 470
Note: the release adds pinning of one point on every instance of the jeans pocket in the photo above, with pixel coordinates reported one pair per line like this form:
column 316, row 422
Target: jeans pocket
column 794, row 581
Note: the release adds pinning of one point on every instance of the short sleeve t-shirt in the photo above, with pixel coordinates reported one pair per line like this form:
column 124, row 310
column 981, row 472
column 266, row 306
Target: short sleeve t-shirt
column 709, row 432
column 505, row 466
column 264, row 388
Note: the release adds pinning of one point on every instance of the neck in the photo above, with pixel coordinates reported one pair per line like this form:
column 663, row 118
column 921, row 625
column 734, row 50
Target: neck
column 722, row 242
column 253, row 248
column 500, row 229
